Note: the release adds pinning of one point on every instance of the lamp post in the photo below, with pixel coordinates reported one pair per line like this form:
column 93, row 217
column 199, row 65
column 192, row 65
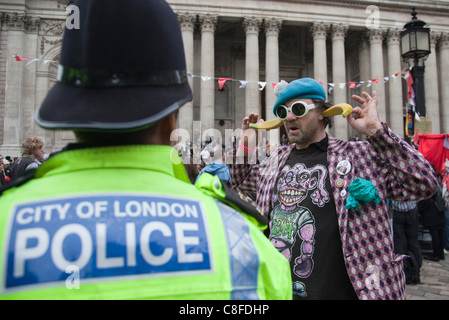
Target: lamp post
column 415, row 48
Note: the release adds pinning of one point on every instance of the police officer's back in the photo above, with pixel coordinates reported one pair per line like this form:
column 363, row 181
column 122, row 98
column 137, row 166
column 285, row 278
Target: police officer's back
column 114, row 216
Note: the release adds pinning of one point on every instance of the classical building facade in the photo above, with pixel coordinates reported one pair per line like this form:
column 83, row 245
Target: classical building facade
column 236, row 50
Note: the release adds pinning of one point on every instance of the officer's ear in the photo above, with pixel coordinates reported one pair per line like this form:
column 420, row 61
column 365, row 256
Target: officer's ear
column 164, row 129
column 168, row 124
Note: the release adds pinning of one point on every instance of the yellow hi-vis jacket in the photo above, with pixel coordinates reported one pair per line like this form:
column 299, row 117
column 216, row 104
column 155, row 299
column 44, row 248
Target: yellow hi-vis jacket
column 125, row 223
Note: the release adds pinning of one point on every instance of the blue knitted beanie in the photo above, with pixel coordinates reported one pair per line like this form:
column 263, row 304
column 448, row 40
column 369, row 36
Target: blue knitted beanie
column 305, row 88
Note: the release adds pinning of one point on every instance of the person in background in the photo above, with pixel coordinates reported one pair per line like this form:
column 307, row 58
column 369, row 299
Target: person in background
column 405, row 228
column 432, row 216
column 32, row 156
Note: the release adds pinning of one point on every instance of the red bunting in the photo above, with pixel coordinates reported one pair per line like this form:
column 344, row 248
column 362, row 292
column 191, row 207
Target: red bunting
column 20, row 59
column 409, row 85
column 375, row 80
column 351, row 85
column 221, row 82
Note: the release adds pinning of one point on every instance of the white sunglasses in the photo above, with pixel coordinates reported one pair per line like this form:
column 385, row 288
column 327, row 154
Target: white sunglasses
column 299, row 109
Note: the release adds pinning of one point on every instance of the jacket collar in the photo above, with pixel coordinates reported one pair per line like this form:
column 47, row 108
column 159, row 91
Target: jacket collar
column 145, row 157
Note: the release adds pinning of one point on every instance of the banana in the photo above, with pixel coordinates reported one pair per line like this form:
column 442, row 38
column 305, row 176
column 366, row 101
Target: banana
column 267, row 125
column 342, row 108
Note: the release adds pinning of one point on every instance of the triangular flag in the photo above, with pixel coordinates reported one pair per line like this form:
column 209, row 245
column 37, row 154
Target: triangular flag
column 351, row 85
column 273, row 84
column 375, row 80
column 409, row 85
column 319, row 80
column 19, row 58
column 32, row 61
column 262, row 85
column 331, row 87
column 243, row 83
column 416, row 115
column 386, row 79
column 342, row 85
column 205, row 78
column 221, row 82
column 369, row 83
column 360, row 84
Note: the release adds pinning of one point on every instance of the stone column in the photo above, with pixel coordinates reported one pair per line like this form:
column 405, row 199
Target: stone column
column 444, row 81
column 377, row 70
column 29, row 104
column 187, row 22
column 431, row 86
column 395, row 112
column 272, row 28
column 207, row 100
column 364, row 62
column 16, row 35
column 319, row 31
column 340, row 125
column 252, row 100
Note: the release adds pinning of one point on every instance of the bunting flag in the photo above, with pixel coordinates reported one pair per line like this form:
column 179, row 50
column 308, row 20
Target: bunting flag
column 410, row 91
column 411, row 94
column 32, row 61
column 221, row 82
column 243, row 83
column 20, row 58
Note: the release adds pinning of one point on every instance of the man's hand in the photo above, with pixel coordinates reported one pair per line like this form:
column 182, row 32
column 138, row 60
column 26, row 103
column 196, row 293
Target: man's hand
column 367, row 121
column 249, row 135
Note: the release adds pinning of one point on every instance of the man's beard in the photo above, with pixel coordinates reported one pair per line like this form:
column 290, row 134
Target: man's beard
column 305, row 135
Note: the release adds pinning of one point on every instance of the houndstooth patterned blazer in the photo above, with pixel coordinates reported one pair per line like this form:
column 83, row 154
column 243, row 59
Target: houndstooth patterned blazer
column 397, row 170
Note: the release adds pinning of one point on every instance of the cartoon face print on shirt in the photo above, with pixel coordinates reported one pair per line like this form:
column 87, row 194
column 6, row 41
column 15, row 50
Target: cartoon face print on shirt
column 295, row 183
column 291, row 220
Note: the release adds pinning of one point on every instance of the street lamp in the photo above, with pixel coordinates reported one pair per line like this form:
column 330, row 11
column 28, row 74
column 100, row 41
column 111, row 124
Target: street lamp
column 415, row 45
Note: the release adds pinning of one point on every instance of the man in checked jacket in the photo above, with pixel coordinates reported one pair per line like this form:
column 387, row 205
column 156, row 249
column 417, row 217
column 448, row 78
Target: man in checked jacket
column 326, row 198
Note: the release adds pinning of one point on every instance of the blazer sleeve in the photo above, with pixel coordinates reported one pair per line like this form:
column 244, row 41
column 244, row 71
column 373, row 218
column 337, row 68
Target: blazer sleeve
column 410, row 176
column 244, row 175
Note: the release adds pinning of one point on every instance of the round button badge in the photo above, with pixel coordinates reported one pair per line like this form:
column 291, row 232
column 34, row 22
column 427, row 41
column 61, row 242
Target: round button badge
column 344, row 167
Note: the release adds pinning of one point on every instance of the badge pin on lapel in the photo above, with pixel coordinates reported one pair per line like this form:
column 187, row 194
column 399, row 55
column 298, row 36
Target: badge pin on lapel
column 339, row 183
column 344, row 167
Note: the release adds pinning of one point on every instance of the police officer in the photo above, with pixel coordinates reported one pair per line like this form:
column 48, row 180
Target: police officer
column 114, row 215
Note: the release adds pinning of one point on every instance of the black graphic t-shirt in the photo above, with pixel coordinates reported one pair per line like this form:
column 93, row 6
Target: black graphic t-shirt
column 304, row 227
